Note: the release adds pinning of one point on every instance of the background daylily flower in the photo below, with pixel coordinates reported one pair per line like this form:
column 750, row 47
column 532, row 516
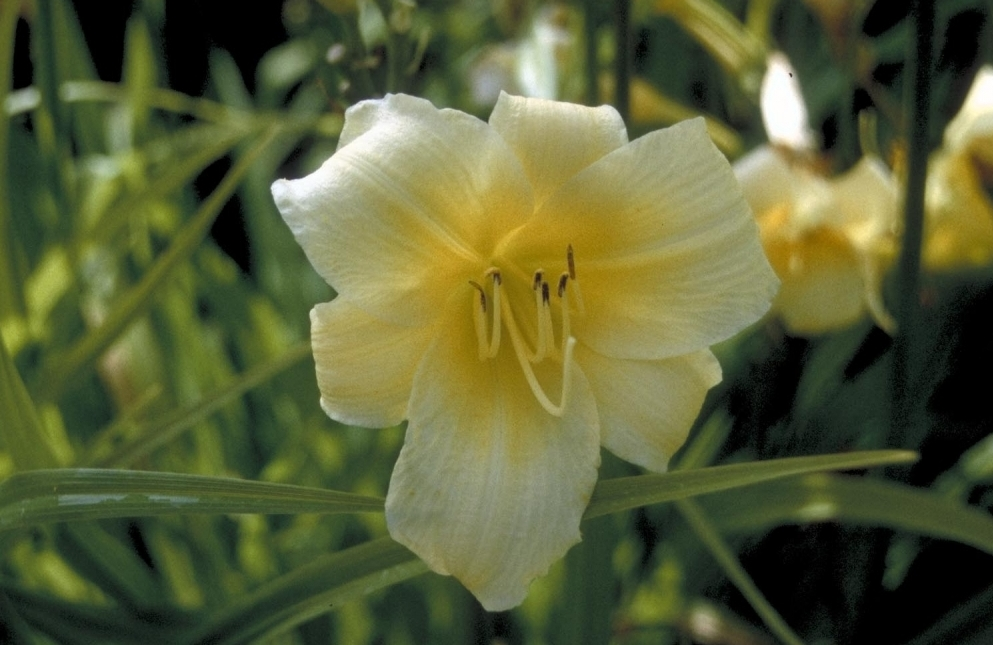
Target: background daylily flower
column 959, row 225
column 522, row 291
column 829, row 240
column 538, row 64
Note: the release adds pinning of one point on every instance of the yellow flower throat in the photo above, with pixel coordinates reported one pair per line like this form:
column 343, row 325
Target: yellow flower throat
column 488, row 332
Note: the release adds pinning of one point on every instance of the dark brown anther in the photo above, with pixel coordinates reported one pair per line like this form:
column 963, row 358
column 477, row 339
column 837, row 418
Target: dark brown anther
column 544, row 292
column 539, row 277
column 563, row 280
column 572, row 263
column 482, row 294
column 494, row 273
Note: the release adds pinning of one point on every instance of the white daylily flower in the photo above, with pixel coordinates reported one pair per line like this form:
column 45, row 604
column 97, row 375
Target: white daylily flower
column 522, row 291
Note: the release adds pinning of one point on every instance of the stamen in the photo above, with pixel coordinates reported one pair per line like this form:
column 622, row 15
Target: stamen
column 489, row 343
column 546, row 333
column 520, row 350
column 571, row 261
column 482, row 294
column 479, row 320
column 546, row 336
column 497, row 313
column 564, row 295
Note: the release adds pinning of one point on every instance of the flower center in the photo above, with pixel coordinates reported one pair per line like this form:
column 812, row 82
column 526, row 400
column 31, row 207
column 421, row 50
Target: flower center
column 493, row 310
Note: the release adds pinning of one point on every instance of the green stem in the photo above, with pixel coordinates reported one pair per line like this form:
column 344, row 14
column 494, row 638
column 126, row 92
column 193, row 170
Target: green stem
column 590, row 60
column 622, row 60
column 11, row 300
column 917, row 101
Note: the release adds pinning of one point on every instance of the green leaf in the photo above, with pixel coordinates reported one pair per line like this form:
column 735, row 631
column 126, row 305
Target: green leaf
column 72, row 622
column 615, row 495
column 62, row 368
column 310, row 591
column 11, row 298
column 191, row 149
column 708, row 534
column 825, row 498
column 156, row 435
column 23, row 434
column 73, row 494
column 139, row 75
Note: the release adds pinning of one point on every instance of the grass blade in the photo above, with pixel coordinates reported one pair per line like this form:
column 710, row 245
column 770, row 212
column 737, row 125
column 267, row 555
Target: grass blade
column 74, row 494
column 310, row 591
column 708, row 534
column 624, row 493
column 158, row 434
column 824, row 498
column 64, row 367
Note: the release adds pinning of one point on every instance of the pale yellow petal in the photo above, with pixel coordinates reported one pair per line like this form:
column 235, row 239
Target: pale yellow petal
column 407, row 207
column 489, row 487
column 766, row 178
column 823, row 282
column 555, row 140
column 868, row 199
column 647, row 407
column 974, row 121
column 958, row 229
column 666, row 250
column 365, row 366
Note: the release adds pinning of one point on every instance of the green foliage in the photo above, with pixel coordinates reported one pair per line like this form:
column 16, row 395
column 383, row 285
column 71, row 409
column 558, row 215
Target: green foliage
column 166, row 472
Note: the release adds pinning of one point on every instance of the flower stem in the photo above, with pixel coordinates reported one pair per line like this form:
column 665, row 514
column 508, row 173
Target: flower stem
column 622, row 60
column 917, row 101
column 591, row 69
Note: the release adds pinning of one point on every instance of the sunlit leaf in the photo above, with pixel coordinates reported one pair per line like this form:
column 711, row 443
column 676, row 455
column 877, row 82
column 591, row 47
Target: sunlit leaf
column 62, row 368
column 23, row 435
column 73, row 494
column 154, row 435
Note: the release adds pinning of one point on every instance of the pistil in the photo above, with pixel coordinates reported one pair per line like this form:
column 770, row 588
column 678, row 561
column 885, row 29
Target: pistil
column 489, row 317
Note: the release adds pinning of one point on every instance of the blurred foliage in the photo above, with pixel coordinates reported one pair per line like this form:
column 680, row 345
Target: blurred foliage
column 153, row 311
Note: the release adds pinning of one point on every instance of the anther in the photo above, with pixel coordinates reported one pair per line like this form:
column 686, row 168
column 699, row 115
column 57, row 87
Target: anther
column 539, row 277
column 494, row 273
column 563, row 281
column 482, row 294
column 571, row 262
column 544, row 292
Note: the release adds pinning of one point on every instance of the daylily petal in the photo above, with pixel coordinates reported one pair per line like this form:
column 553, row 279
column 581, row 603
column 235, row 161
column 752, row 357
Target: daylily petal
column 766, row 178
column 958, row 230
column 365, row 366
column 647, row 407
column 489, row 487
column 868, row 199
column 666, row 248
column 784, row 112
column 823, row 282
column 409, row 205
column 974, row 121
column 554, row 140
